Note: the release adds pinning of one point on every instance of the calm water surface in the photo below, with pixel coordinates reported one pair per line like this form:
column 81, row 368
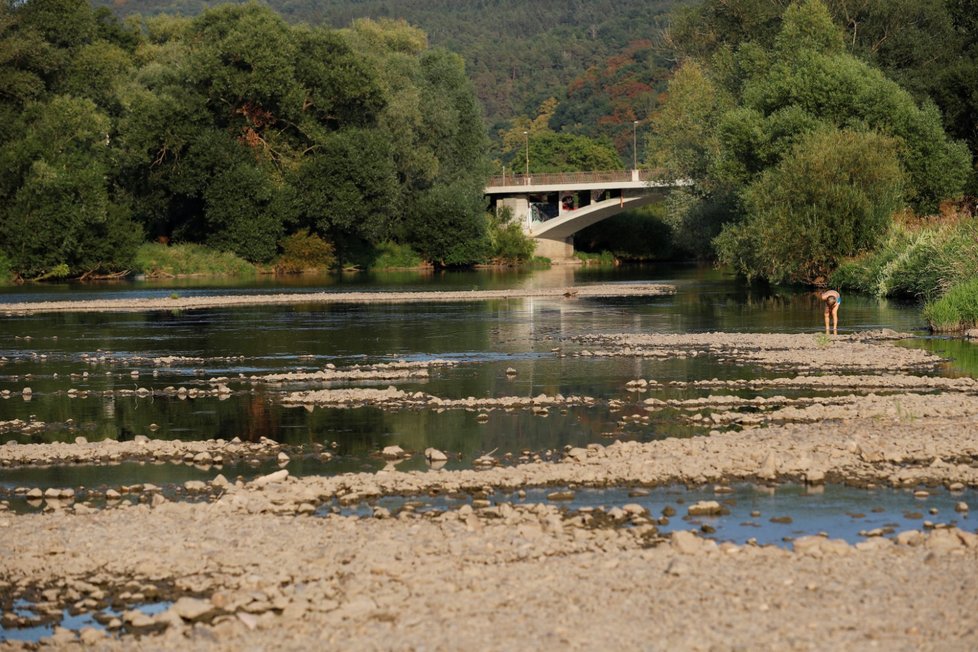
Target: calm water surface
column 47, row 352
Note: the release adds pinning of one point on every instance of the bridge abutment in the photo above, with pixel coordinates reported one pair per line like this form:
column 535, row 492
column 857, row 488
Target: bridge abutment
column 559, row 251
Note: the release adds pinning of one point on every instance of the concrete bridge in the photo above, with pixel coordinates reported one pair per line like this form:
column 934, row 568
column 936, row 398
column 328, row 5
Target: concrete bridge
column 552, row 207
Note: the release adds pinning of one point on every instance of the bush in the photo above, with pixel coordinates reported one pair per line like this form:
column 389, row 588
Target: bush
column 832, row 196
column 957, row 310
column 391, row 255
column 603, row 259
column 6, row 271
column 304, row 252
column 159, row 260
column 507, row 242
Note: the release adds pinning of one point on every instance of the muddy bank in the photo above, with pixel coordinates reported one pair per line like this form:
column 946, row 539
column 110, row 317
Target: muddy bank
column 870, row 350
column 232, row 301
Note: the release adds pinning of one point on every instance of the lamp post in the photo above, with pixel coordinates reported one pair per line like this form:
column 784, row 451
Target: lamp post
column 635, row 145
column 526, row 139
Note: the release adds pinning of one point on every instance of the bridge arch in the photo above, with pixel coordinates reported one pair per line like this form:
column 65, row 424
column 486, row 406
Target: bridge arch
column 538, row 201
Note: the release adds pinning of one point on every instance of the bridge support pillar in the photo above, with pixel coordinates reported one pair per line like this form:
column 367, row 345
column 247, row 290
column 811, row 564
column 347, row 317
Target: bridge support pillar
column 560, row 251
column 520, row 209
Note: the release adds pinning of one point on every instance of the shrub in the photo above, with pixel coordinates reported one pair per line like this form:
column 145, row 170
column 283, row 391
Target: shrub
column 957, row 310
column 832, row 196
column 155, row 260
column 304, row 251
column 603, row 259
column 391, row 255
column 919, row 259
column 507, row 242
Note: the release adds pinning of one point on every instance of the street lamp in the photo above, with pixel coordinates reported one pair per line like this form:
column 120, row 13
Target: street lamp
column 526, row 138
column 635, row 145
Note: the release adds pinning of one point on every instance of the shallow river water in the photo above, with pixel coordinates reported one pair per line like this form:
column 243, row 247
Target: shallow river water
column 106, row 353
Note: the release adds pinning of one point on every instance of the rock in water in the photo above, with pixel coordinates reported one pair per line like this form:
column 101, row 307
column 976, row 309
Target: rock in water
column 435, row 455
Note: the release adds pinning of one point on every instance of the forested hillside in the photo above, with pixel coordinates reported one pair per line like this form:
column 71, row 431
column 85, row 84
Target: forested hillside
column 602, row 59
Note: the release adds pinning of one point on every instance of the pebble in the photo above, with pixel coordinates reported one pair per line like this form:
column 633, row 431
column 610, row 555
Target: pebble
column 561, row 495
column 685, row 542
column 705, row 508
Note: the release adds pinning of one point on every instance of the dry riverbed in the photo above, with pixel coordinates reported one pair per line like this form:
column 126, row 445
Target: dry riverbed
column 269, row 563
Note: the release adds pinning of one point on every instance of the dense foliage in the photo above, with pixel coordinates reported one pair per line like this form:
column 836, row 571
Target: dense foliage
column 929, row 47
column 598, row 58
column 232, row 129
column 918, row 259
column 801, row 148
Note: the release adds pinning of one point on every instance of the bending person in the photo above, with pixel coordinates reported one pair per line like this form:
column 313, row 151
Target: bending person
column 832, row 300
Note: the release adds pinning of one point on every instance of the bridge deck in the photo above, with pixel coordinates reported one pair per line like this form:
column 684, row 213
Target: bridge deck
column 556, row 181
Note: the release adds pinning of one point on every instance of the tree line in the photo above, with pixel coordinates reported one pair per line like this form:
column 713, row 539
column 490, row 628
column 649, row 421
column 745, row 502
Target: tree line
column 598, row 58
column 808, row 125
column 232, row 129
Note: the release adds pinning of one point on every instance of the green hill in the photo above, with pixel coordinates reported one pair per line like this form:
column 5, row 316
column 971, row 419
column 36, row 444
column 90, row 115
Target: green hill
column 598, row 58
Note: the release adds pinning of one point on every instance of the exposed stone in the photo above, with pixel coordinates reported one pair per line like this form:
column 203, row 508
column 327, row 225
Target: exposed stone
column 435, row 455
column 393, row 452
column 271, row 478
column 685, row 542
column 705, row 508
column 192, row 609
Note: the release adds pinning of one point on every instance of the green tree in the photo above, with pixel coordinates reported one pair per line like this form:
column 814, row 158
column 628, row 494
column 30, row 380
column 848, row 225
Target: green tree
column 346, row 189
column 832, row 196
column 736, row 125
column 56, row 206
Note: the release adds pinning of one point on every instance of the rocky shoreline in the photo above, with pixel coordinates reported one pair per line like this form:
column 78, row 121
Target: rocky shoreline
column 272, row 562
column 501, row 577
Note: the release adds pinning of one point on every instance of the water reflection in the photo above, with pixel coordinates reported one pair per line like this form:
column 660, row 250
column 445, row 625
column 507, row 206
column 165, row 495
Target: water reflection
column 99, row 355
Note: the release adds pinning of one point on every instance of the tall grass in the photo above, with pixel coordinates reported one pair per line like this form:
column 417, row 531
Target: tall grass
column 920, row 259
column 159, row 260
column 957, row 310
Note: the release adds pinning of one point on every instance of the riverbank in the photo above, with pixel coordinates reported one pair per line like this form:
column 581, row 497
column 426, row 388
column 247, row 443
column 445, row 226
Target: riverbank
column 296, row 298
column 255, row 567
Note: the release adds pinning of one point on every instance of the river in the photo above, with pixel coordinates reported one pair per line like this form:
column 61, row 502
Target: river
column 105, row 353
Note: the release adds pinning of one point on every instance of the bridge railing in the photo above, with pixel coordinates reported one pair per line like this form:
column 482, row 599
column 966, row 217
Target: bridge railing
column 553, row 178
